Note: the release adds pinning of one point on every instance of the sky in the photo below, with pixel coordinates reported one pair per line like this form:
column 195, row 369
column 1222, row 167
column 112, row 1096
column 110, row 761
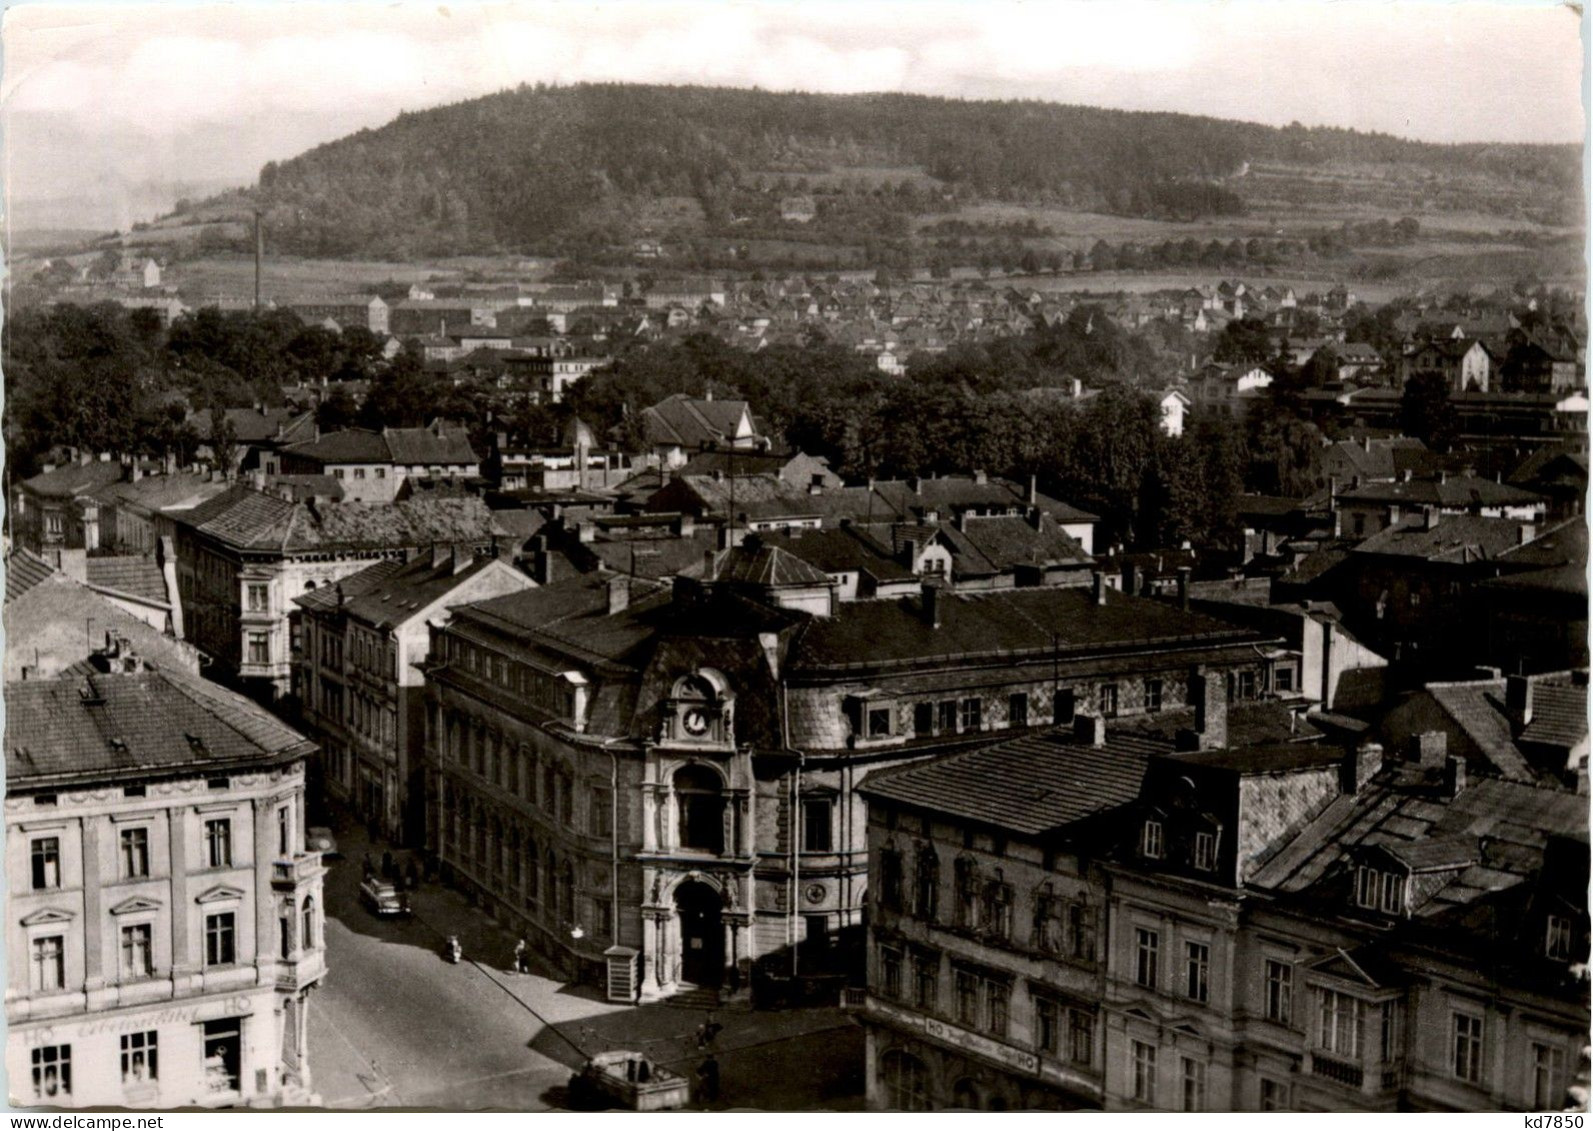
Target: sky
column 97, row 100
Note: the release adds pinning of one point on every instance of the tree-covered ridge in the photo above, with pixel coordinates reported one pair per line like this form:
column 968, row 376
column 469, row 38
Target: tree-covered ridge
column 537, row 168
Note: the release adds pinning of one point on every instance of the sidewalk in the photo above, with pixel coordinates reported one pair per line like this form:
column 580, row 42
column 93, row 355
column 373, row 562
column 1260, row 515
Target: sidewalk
column 772, row 1059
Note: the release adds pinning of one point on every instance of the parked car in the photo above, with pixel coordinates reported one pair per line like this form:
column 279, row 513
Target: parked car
column 321, row 840
column 383, row 898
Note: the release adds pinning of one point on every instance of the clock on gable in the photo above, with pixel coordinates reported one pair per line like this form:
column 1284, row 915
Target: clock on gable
column 701, row 710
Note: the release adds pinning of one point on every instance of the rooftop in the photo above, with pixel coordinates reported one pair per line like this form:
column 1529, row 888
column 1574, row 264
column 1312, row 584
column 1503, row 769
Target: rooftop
column 247, row 519
column 1458, row 539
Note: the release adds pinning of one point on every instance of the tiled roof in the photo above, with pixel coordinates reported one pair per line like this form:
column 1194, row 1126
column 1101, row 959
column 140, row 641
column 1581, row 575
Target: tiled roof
column 56, row 623
column 1029, row 785
column 24, row 570
column 152, row 492
column 999, row 543
column 249, row 519
column 693, row 422
column 1459, row 538
column 1564, row 544
column 399, row 594
column 310, row 486
column 1559, row 715
column 135, row 575
column 256, row 426
column 843, row 550
column 1000, row 623
column 1568, row 580
column 391, row 445
column 572, row 614
column 74, row 479
column 756, row 562
column 134, row 724
column 349, row 445
column 327, row 597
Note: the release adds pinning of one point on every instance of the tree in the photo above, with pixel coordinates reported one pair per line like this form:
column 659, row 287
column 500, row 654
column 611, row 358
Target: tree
column 1425, row 411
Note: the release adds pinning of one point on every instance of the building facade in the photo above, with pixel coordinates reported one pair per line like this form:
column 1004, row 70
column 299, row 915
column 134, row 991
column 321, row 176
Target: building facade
column 163, row 919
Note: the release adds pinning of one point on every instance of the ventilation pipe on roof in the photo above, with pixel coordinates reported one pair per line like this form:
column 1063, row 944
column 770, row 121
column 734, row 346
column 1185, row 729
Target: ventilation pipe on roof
column 619, row 595
column 931, row 605
column 1183, row 587
column 1090, row 729
column 1518, row 702
column 1209, row 694
column 1098, row 580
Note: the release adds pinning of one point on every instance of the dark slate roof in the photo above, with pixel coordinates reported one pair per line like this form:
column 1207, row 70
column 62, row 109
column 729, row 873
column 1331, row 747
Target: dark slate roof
column 756, row 562
column 56, row 623
column 327, row 597
column 1455, row 491
column 153, row 492
column 24, row 570
column 1559, row 715
column 349, row 445
column 1566, row 580
column 1029, row 785
column 135, row 575
column 1458, row 539
column 399, row 594
column 255, row 426
column 431, row 445
column 1564, row 544
column 1035, row 622
column 134, row 724
column 74, row 479
column 693, row 422
column 844, row 551
column 573, row 614
column 997, row 544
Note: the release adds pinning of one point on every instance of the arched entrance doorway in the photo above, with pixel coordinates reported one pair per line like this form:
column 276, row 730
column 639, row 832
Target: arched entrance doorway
column 702, row 934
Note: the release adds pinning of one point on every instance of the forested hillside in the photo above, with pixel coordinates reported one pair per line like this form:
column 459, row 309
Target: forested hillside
column 562, row 169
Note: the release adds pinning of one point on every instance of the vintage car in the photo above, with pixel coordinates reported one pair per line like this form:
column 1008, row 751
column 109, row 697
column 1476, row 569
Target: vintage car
column 628, row 1080
column 383, row 898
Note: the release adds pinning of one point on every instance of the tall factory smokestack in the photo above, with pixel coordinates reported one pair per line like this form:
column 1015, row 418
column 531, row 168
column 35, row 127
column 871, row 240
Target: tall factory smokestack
column 259, row 252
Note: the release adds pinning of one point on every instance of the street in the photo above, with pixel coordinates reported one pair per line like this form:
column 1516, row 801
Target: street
column 395, row 1025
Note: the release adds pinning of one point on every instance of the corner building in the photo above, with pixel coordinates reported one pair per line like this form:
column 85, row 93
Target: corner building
column 163, row 922
column 628, row 771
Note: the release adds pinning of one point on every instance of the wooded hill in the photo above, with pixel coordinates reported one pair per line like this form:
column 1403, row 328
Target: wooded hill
column 561, row 169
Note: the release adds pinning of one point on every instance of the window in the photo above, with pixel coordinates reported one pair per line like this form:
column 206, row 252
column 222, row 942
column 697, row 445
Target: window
column 138, row 960
column 49, row 964
column 1548, row 1077
column 1247, row 685
column 816, row 813
column 1339, row 1030
column 600, row 811
column 1557, row 944
column 1274, row 1095
column 139, row 1061
column 998, row 908
column 879, row 722
column 890, row 971
column 967, row 895
column 337, row 473
column 381, row 473
column 1081, row 1037
column 284, row 838
column 905, row 1081
column 1147, row 952
column 927, row 882
column 52, row 1071
column 1150, row 840
column 1283, row 680
column 259, row 597
column 1081, row 931
column 1018, row 709
column 259, row 648
column 926, row 980
column 1108, row 697
column 1388, row 1046
column 221, row 939
column 1376, row 890
column 1062, row 706
column 1047, row 1026
column 1197, row 968
column 972, row 714
column 1047, row 921
column 218, row 843
column 359, row 473
column 946, row 716
column 1468, row 1047
column 997, row 997
column 1153, row 695
column 307, row 925
column 1194, row 1090
column 46, row 859
column 1144, row 1060
column 1280, row 991
column 923, row 719
column 890, row 880
column 967, row 998
column 1206, row 851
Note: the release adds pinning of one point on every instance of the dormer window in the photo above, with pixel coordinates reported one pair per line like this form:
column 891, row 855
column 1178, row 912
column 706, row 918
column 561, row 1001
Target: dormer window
column 1557, row 940
column 1150, row 840
column 1376, row 890
column 1206, row 851
column 872, row 717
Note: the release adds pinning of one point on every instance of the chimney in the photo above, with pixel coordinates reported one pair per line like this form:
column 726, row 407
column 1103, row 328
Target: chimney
column 708, row 559
column 980, row 478
column 1366, row 443
column 1393, row 514
column 1209, row 694
column 441, row 554
column 916, row 485
column 1131, row 579
column 1359, row 766
column 1518, row 702
column 910, row 551
column 1404, row 476
column 816, row 485
column 586, row 531
column 619, row 594
column 461, row 558
column 931, row 605
column 542, row 566
column 1526, row 533
column 1089, row 729
column 1443, row 476
column 1099, row 580
column 719, row 475
column 1333, row 487
column 1183, row 587
column 685, row 525
column 962, row 521
column 1454, row 776
column 1034, row 490
column 1429, row 749
column 1429, row 517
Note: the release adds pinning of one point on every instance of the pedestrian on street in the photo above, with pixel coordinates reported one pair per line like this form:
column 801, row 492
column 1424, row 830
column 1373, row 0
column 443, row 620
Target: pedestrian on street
column 708, row 1080
column 520, row 956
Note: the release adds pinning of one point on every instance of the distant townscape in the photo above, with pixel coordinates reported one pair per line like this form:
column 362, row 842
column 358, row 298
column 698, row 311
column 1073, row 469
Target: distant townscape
column 986, row 689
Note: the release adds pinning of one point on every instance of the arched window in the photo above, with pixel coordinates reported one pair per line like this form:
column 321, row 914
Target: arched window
column 927, row 884
column 906, row 1081
column 307, row 934
column 998, row 906
column 550, row 788
column 309, row 586
column 965, row 1095
column 701, row 807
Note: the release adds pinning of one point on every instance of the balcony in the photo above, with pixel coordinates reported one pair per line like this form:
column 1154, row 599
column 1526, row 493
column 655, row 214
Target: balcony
column 305, row 968
column 300, row 870
column 1345, row 1072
